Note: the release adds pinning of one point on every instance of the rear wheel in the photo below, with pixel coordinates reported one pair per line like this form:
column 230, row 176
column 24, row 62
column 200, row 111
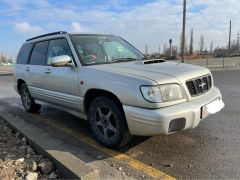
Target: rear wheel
column 108, row 123
column 27, row 100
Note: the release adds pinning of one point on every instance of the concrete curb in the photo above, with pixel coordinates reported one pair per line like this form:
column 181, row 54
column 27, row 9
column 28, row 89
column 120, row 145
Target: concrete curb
column 69, row 165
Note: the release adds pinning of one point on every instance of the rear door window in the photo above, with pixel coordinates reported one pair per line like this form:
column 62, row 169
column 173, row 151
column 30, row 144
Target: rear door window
column 24, row 53
column 39, row 53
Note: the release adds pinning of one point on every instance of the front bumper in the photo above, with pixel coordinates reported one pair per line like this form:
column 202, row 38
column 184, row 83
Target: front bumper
column 147, row 122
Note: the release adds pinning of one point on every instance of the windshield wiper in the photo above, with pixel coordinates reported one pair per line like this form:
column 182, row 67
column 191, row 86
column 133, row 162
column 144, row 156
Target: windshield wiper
column 122, row 60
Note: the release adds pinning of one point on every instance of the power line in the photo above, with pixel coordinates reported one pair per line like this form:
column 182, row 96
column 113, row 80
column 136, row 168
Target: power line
column 201, row 14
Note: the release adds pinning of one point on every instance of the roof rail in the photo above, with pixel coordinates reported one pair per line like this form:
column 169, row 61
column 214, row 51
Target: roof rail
column 49, row 34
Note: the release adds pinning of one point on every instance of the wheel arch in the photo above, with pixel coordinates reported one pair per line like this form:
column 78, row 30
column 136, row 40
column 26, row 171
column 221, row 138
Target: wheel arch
column 91, row 94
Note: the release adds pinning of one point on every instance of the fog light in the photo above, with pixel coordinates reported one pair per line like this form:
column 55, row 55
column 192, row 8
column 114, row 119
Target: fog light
column 177, row 125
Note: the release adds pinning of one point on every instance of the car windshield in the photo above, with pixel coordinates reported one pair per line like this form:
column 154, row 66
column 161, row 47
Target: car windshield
column 102, row 49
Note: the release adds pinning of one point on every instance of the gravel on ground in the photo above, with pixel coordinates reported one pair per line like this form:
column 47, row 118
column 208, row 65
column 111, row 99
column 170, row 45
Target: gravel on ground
column 18, row 160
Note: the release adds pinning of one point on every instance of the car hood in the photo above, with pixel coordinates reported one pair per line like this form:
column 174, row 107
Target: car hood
column 161, row 72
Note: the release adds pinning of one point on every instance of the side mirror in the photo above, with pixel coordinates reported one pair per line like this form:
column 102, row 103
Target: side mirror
column 62, row 60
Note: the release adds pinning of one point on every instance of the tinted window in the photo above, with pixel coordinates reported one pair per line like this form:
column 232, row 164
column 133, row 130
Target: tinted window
column 58, row 47
column 115, row 50
column 94, row 49
column 39, row 53
column 24, row 53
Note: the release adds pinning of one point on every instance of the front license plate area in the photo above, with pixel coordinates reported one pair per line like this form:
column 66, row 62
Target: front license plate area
column 204, row 110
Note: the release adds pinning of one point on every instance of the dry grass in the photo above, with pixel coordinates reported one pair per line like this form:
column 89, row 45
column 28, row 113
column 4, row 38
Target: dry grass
column 197, row 56
column 6, row 69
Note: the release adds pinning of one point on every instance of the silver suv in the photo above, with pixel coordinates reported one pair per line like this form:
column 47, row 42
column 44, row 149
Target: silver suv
column 105, row 80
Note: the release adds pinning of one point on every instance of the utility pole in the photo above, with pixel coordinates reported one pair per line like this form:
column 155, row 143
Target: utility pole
column 159, row 51
column 229, row 43
column 238, row 37
column 183, row 29
column 170, row 44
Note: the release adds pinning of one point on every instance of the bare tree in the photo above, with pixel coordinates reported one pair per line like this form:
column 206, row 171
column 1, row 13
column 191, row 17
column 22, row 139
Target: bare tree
column 165, row 49
column 10, row 59
column 191, row 43
column 201, row 43
column 174, row 50
column 174, row 54
column 3, row 58
column 186, row 47
column 211, row 47
column 146, row 49
column 220, row 51
column 180, row 45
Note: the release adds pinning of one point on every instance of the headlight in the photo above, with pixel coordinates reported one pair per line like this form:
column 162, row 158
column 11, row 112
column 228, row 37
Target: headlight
column 152, row 93
column 171, row 92
column 162, row 93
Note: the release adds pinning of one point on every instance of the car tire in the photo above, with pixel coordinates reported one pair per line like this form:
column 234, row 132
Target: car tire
column 107, row 122
column 27, row 100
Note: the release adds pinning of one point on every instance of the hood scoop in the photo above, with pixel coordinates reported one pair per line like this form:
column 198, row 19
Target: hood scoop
column 151, row 61
column 154, row 61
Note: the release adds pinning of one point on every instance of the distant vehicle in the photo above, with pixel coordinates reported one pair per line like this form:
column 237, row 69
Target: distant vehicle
column 105, row 80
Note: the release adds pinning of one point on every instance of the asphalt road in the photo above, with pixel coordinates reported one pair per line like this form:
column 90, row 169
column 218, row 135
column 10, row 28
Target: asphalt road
column 209, row 151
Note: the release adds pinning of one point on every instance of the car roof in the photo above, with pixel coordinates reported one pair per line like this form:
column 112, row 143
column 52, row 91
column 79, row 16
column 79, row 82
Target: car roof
column 48, row 34
column 64, row 32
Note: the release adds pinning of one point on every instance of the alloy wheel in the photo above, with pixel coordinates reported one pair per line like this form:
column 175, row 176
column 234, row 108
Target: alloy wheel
column 106, row 122
column 26, row 97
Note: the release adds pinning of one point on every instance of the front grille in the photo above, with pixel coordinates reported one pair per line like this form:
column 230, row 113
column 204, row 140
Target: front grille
column 199, row 85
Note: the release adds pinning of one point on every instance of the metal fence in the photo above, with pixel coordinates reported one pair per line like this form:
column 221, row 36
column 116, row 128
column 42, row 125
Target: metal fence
column 218, row 63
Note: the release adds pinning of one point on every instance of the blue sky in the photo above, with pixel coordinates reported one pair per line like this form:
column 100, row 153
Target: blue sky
column 141, row 22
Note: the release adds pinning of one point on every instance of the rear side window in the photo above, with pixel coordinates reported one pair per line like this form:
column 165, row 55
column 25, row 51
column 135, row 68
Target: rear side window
column 24, row 53
column 39, row 53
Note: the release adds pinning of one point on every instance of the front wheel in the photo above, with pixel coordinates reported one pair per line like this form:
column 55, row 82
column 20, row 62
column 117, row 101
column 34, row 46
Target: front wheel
column 107, row 122
column 27, row 100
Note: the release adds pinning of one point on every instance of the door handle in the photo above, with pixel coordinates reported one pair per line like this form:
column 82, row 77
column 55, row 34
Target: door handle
column 27, row 69
column 48, row 71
